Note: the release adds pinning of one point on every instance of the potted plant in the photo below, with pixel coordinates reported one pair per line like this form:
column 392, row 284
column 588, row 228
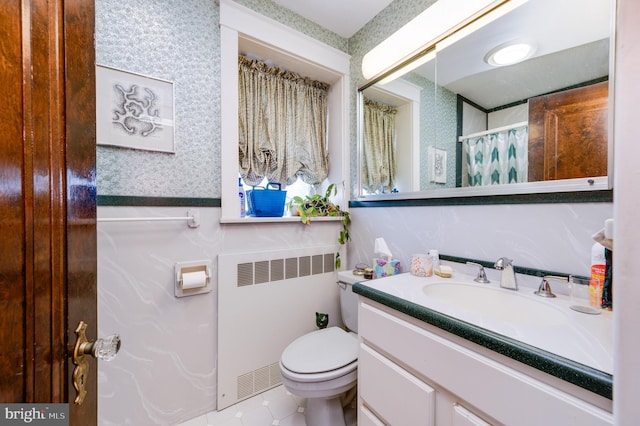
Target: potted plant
column 320, row 205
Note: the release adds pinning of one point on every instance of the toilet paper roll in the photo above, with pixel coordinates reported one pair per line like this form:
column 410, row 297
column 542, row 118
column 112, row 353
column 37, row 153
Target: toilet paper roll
column 194, row 280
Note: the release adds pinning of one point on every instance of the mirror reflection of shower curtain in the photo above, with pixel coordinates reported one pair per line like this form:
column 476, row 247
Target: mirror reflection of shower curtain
column 497, row 158
column 379, row 139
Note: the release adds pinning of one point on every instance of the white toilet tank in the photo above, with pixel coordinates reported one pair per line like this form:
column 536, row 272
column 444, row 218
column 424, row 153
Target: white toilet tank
column 348, row 299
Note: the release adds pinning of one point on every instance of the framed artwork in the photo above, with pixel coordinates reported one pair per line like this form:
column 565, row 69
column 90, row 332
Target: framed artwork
column 438, row 165
column 134, row 111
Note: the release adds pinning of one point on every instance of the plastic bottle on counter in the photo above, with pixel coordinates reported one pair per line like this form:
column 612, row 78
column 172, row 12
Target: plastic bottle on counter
column 435, row 258
column 241, row 195
column 596, row 281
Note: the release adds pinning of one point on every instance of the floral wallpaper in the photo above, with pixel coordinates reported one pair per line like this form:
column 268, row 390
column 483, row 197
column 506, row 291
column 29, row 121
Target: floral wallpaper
column 180, row 42
column 297, row 22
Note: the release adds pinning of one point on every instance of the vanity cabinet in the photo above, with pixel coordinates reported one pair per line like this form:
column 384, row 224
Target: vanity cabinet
column 414, row 373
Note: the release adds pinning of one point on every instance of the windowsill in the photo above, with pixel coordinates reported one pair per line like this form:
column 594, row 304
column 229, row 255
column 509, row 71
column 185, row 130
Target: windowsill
column 282, row 219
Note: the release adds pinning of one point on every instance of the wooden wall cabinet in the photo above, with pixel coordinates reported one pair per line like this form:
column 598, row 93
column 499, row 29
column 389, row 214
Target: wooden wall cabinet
column 568, row 134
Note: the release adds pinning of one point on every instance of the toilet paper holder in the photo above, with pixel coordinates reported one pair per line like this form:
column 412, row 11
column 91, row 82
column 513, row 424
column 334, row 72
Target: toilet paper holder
column 193, row 277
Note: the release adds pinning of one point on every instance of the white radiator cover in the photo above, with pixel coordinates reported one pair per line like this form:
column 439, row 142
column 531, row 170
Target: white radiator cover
column 265, row 301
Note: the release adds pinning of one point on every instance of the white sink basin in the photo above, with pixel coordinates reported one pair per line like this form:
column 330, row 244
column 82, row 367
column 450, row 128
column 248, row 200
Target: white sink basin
column 495, row 304
column 545, row 323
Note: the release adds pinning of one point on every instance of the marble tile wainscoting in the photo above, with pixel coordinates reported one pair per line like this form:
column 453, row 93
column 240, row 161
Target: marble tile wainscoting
column 167, row 369
column 551, row 237
column 173, row 342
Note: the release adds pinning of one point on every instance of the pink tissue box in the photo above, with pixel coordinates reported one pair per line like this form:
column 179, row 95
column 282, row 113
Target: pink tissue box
column 384, row 268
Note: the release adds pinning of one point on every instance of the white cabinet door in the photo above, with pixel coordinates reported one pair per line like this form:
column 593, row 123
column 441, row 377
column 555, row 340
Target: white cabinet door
column 396, row 396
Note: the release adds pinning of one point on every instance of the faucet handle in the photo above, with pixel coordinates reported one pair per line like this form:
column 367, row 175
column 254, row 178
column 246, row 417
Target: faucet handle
column 545, row 289
column 482, row 276
column 502, row 263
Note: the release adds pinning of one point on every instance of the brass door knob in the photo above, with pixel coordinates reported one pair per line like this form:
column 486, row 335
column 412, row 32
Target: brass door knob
column 105, row 349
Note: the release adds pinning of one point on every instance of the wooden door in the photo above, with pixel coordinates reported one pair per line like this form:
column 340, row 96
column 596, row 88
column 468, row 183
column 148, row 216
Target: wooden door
column 568, row 134
column 47, row 199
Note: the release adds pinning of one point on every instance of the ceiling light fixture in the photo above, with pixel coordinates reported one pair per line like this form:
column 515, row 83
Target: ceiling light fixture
column 509, row 54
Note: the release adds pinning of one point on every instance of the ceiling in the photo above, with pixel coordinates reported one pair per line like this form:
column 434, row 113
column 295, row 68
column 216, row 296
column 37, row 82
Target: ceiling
column 343, row 17
column 571, row 48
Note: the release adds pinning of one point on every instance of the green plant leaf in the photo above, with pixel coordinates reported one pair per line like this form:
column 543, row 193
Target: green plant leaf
column 304, row 218
column 331, row 188
column 318, row 205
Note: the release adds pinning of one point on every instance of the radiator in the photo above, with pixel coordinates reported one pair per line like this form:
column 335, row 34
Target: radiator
column 265, row 301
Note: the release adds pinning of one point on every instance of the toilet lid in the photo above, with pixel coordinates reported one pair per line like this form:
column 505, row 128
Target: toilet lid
column 320, row 351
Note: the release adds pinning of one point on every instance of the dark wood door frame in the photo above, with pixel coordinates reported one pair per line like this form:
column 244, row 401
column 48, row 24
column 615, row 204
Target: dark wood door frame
column 47, row 203
column 80, row 192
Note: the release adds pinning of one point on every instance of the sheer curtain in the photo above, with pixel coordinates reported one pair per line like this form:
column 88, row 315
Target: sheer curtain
column 282, row 125
column 497, row 158
column 379, row 137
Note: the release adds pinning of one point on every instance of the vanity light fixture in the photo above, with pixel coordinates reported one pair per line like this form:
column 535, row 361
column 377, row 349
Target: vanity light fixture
column 409, row 67
column 441, row 17
column 510, row 53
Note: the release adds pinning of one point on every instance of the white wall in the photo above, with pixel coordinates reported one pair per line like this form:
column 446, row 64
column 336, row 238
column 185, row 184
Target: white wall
column 626, row 402
column 507, row 116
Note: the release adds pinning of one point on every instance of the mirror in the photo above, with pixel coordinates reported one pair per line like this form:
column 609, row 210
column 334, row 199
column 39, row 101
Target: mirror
column 462, row 125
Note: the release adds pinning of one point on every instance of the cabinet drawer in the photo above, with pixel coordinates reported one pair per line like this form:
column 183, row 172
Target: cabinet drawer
column 367, row 418
column 464, row 417
column 395, row 395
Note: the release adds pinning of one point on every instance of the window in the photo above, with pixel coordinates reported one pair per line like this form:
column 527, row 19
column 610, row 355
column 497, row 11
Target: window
column 283, row 125
column 245, row 31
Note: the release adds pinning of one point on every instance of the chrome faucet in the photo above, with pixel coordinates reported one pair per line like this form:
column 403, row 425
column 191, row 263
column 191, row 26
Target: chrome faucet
column 544, row 289
column 482, row 276
column 508, row 276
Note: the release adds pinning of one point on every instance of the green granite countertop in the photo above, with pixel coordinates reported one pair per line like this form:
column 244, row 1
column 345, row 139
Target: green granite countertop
column 403, row 298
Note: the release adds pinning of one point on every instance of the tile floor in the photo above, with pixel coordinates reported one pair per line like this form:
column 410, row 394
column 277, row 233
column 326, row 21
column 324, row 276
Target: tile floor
column 273, row 407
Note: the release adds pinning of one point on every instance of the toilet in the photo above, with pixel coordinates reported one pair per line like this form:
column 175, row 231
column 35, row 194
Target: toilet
column 323, row 364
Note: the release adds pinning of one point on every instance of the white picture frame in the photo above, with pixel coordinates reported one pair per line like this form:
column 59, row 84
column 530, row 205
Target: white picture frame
column 438, row 163
column 134, row 111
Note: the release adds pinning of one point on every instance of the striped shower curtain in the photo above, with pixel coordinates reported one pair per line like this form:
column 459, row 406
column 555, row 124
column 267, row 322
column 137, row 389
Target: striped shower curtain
column 497, row 158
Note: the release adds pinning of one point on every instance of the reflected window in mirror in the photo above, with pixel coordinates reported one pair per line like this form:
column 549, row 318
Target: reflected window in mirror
column 379, row 147
column 413, row 98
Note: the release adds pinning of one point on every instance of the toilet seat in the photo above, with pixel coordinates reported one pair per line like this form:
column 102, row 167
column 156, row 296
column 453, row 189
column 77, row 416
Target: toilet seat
column 319, row 377
column 320, row 352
